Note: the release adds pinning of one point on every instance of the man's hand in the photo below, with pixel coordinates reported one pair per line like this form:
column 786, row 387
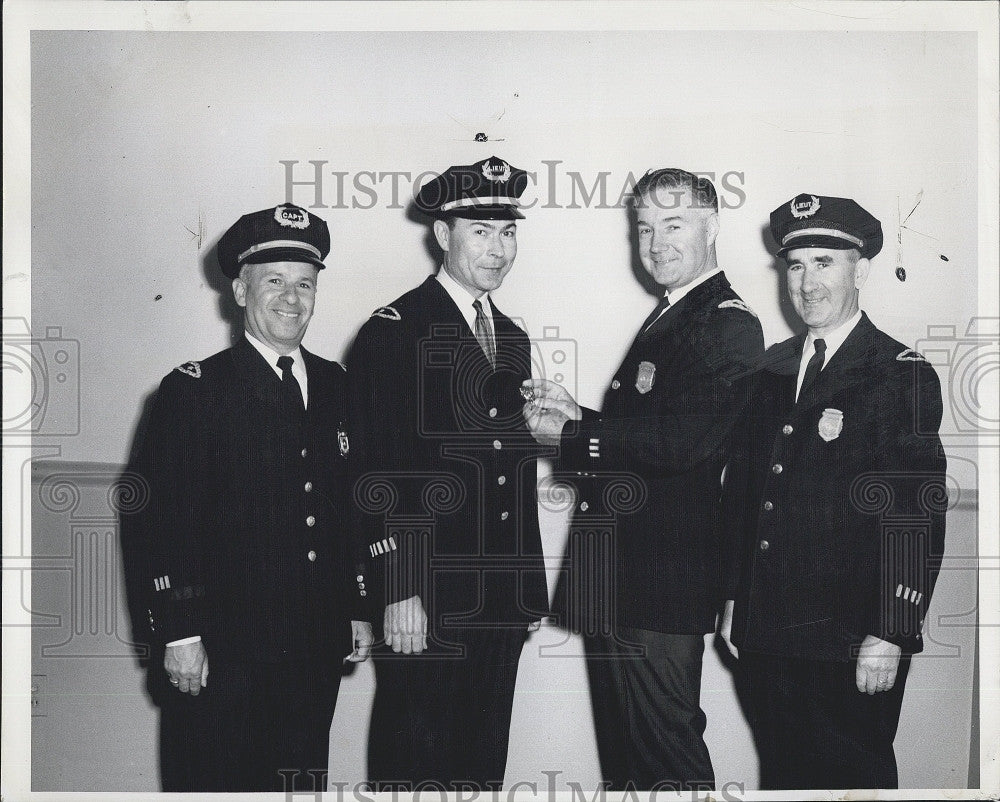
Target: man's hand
column 726, row 627
column 549, row 395
column 545, row 425
column 405, row 626
column 187, row 666
column 877, row 664
column 364, row 637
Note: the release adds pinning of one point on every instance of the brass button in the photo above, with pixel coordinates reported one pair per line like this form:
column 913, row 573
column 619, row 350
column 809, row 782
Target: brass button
column 615, row 384
column 305, row 452
column 497, row 445
column 501, row 480
column 493, row 412
column 776, row 468
column 312, row 556
column 361, row 578
column 311, row 520
column 361, row 585
column 787, row 429
column 764, row 545
column 768, row 506
column 309, row 487
column 364, row 592
column 504, row 515
column 584, row 506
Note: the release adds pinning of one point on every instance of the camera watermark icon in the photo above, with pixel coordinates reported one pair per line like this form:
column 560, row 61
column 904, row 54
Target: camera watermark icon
column 555, row 358
column 42, row 379
column 965, row 364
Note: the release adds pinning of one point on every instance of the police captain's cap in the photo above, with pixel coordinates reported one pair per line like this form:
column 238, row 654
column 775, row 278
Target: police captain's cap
column 487, row 190
column 816, row 221
column 284, row 233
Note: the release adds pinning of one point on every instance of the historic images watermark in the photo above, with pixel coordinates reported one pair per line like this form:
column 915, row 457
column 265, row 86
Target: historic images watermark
column 317, row 185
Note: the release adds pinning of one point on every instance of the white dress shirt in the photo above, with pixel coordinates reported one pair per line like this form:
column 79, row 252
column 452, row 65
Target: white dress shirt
column 833, row 340
column 463, row 300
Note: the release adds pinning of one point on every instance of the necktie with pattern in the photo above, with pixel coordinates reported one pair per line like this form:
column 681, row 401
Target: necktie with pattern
column 484, row 333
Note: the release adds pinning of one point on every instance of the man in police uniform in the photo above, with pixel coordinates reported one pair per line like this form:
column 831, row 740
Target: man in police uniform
column 250, row 568
column 444, row 485
column 655, row 455
column 836, row 503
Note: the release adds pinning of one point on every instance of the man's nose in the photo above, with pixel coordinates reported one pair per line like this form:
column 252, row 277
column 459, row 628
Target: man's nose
column 658, row 242
column 495, row 245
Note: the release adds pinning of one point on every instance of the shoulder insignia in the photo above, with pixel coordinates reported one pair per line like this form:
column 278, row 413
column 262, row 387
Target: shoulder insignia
column 736, row 303
column 388, row 312
column 191, row 369
column 909, row 355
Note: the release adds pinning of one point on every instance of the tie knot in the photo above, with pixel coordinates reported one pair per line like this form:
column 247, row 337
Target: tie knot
column 285, row 362
column 477, row 305
column 820, row 346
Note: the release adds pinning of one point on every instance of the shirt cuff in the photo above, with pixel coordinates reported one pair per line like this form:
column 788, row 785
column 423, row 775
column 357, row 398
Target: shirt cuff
column 184, row 641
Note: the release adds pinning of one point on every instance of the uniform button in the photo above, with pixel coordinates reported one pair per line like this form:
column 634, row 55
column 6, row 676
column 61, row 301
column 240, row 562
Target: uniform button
column 364, row 592
column 776, row 468
column 312, row 556
column 615, row 384
column 305, row 452
column 497, row 445
column 311, row 520
column 361, row 585
column 504, row 515
column 361, row 578
column 768, row 506
column 787, row 429
column 584, row 506
column 501, row 480
column 493, row 412
column 764, row 545
column 309, row 487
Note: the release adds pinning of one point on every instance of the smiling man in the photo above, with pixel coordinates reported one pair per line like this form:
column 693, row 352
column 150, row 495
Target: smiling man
column 445, row 475
column 830, row 586
column 663, row 432
column 251, row 571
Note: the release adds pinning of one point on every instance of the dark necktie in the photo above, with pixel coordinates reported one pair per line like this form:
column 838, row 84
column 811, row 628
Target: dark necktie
column 289, row 383
column 484, row 334
column 655, row 314
column 815, row 365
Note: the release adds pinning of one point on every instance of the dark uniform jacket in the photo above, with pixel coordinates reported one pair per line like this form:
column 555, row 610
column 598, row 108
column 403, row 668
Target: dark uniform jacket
column 837, row 520
column 654, row 456
column 247, row 522
column 443, row 468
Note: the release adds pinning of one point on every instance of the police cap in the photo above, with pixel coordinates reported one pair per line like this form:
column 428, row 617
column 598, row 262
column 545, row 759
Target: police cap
column 487, row 190
column 284, row 233
column 817, row 221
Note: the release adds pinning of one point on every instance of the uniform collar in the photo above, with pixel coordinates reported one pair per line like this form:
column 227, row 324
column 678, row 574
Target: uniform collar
column 271, row 357
column 679, row 293
column 463, row 298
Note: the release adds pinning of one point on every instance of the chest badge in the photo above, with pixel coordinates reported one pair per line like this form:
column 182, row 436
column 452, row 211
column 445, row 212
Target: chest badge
column 831, row 424
column 645, row 377
column 345, row 445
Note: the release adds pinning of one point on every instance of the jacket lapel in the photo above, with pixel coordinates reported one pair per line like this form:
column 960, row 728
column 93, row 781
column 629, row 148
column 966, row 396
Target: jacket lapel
column 846, row 367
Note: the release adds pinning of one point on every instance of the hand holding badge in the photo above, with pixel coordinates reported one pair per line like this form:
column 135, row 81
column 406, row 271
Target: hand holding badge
column 547, row 408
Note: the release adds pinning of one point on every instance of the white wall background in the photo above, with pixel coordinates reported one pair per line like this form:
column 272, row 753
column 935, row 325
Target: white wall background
column 141, row 138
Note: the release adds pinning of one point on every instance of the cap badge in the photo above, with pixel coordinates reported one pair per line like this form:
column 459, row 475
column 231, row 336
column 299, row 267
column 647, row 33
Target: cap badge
column 497, row 170
column 342, row 441
column 291, row 217
column 831, row 424
column 804, row 206
column 645, row 377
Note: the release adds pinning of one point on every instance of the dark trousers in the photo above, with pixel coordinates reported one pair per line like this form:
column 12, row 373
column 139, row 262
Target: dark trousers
column 815, row 729
column 645, row 689
column 441, row 719
column 256, row 727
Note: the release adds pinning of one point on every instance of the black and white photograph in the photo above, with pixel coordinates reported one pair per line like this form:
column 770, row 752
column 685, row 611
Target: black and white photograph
column 501, row 400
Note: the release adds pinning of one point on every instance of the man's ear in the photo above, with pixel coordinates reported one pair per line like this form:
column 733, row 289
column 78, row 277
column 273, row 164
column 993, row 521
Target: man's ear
column 712, row 227
column 240, row 291
column 443, row 234
column 861, row 271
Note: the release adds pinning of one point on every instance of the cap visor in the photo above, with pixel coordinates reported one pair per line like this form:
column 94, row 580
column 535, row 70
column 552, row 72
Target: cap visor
column 485, row 213
column 283, row 255
column 818, row 241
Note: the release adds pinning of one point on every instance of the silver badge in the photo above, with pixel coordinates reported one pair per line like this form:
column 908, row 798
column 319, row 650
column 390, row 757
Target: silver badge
column 804, row 206
column 291, row 217
column 644, row 378
column 345, row 446
column 831, row 424
column 527, row 393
